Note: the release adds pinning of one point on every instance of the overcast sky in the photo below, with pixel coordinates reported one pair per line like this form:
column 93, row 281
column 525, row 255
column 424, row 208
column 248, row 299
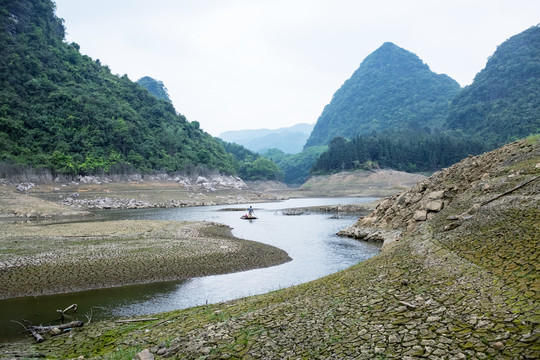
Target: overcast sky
column 250, row 64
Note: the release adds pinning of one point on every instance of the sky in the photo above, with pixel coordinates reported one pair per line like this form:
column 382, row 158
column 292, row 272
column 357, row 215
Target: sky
column 252, row 64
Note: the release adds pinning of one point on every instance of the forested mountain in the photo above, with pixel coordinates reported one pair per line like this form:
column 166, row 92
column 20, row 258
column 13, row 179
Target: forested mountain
column 155, row 87
column 64, row 111
column 251, row 166
column 392, row 89
column 290, row 140
column 296, row 167
column 503, row 102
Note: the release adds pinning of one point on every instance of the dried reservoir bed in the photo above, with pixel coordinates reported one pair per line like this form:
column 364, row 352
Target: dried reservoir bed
column 38, row 259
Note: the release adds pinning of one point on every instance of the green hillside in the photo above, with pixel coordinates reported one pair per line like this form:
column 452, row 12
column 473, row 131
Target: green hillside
column 64, row 111
column 392, row 89
column 503, row 102
column 155, row 87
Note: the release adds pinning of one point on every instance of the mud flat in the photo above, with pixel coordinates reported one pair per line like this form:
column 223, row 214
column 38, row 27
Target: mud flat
column 57, row 258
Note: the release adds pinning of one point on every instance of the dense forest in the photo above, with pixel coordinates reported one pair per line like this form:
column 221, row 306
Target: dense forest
column 251, row 166
column 66, row 112
column 296, row 167
column 410, row 151
column 392, row 89
column 503, row 102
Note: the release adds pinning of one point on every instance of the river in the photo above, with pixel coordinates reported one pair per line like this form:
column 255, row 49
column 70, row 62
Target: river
column 309, row 240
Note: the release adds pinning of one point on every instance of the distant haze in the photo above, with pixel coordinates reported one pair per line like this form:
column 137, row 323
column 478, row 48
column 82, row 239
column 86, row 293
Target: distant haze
column 290, row 140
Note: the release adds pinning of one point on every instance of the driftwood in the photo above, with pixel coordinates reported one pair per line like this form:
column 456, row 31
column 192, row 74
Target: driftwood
column 36, row 335
column 36, row 331
column 70, row 309
column 49, row 328
column 509, row 191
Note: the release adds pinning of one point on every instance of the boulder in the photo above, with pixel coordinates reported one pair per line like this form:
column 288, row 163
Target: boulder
column 420, row 215
column 434, row 205
column 25, row 186
column 436, row 195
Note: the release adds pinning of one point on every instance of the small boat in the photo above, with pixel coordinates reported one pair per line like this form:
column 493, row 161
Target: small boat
column 248, row 217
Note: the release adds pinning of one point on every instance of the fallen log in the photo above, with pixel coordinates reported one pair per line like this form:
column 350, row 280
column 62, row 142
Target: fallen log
column 36, row 335
column 48, row 328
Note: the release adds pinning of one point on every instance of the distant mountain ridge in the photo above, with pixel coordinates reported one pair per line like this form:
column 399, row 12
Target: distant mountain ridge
column 290, row 139
column 503, row 102
column 392, row 89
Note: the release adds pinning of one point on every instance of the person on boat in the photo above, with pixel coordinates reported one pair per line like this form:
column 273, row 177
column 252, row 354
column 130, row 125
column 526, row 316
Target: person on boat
column 250, row 211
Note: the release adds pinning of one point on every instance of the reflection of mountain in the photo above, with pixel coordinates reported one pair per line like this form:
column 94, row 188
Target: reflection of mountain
column 290, row 140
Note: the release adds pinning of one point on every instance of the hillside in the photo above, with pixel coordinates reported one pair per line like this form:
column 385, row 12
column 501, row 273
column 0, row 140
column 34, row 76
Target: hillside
column 503, row 102
column 64, row 111
column 155, row 87
column 290, row 140
column 461, row 283
column 392, row 89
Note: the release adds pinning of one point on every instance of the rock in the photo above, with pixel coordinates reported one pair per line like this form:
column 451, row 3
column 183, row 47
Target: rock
column 201, row 180
column 25, row 186
column 420, row 215
column 436, row 195
column 497, row 345
column 435, row 205
column 55, row 331
column 144, row 355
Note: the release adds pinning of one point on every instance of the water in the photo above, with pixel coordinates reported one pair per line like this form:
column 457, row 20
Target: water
column 309, row 240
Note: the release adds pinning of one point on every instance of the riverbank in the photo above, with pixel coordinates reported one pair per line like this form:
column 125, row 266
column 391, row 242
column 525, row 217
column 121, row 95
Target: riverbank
column 38, row 259
column 460, row 285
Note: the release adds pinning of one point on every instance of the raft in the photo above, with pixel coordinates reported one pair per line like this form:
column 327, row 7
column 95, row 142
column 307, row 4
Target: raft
column 247, row 217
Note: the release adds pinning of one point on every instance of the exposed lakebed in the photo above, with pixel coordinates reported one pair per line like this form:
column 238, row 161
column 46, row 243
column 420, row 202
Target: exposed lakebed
column 309, row 240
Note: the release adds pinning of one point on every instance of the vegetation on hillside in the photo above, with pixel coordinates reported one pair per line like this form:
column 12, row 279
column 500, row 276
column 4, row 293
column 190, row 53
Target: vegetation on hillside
column 296, row 167
column 411, row 151
column 503, row 102
column 251, row 166
column 155, row 87
column 392, row 89
column 64, row 111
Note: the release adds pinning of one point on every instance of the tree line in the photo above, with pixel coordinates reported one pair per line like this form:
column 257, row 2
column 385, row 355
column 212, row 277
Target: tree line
column 405, row 151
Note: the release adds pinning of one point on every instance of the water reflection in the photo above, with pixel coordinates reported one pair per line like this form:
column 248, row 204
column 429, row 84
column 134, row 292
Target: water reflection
column 309, row 240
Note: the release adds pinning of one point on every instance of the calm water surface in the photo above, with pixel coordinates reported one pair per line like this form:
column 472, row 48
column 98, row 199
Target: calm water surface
column 309, row 240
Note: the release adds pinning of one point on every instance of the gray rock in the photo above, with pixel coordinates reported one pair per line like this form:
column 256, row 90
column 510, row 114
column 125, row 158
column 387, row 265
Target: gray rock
column 144, row 355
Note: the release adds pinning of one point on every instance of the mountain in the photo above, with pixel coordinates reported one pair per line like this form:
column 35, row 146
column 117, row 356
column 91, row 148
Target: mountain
column 155, row 87
column 503, row 102
column 290, row 140
column 392, row 89
column 64, row 111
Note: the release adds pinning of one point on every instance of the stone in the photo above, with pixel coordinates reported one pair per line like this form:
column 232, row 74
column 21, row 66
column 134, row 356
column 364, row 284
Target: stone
column 435, row 205
column 420, row 215
column 144, row 355
column 436, row 195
